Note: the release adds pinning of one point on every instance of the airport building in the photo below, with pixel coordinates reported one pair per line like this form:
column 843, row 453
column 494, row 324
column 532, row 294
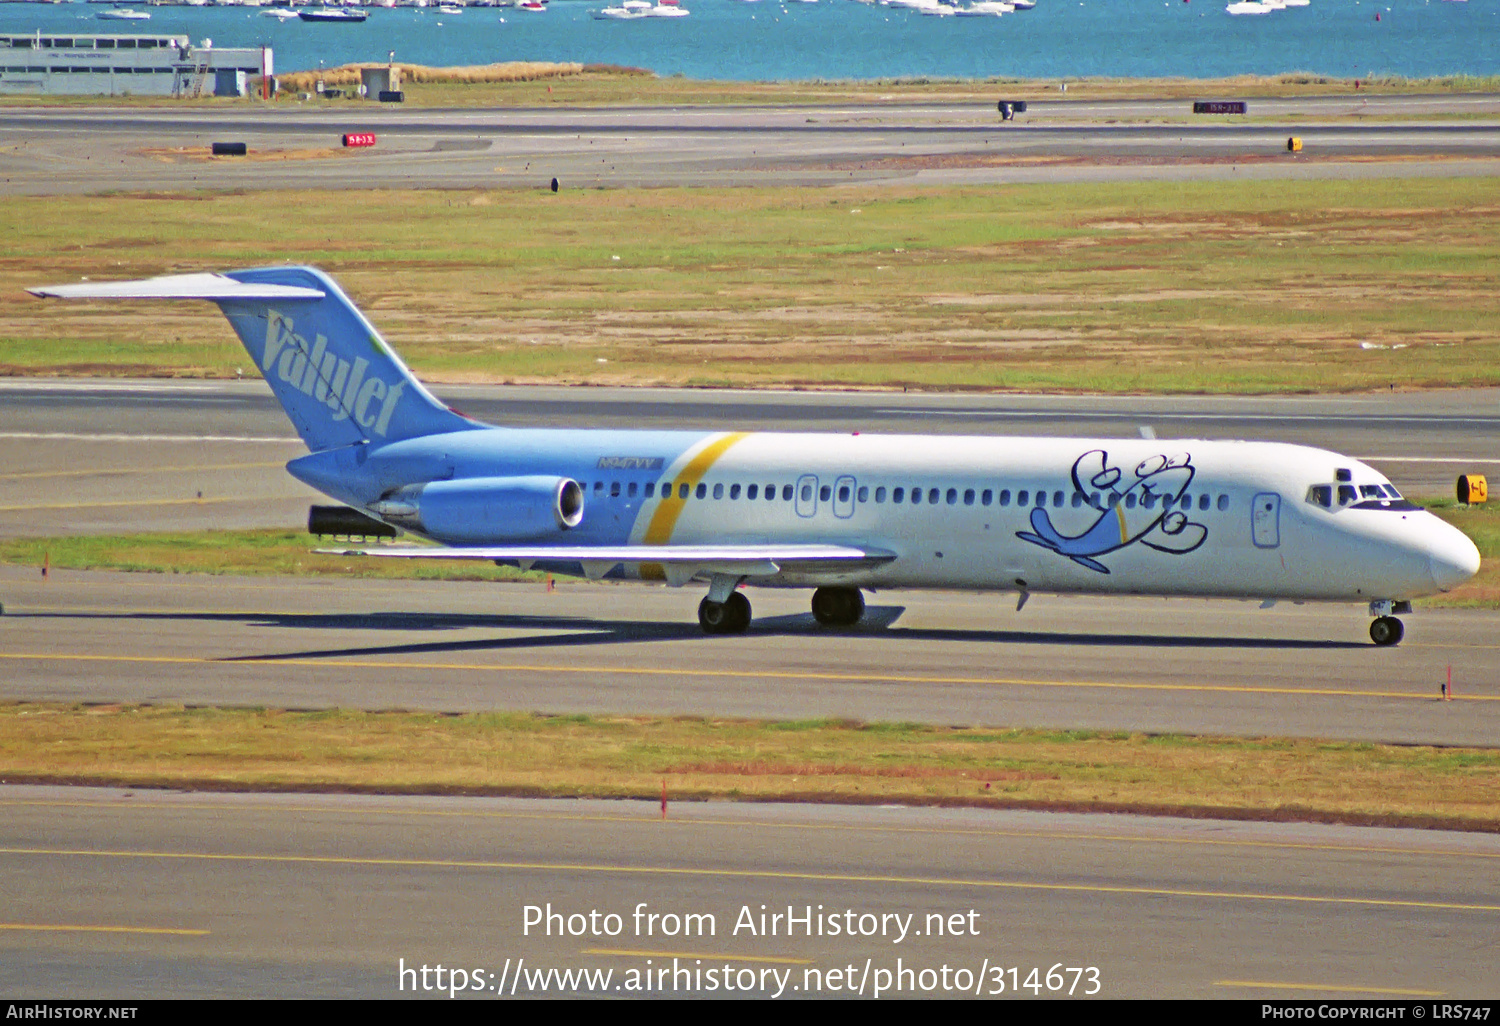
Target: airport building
column 126, row 65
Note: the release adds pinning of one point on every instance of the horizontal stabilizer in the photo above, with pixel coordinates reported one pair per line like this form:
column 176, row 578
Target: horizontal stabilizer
column 178, row 286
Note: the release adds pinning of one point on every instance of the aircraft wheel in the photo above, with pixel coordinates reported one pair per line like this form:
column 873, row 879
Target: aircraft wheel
column 729, row 617
column 838, row 607
column 1387, row 630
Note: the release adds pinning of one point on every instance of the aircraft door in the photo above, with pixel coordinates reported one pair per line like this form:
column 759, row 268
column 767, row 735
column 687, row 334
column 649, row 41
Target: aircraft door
column 1265, row 520
column 843, row 497
column 807, row 495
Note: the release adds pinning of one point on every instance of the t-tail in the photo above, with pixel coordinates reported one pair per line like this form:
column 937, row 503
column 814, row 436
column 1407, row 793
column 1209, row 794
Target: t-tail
column 332, row 372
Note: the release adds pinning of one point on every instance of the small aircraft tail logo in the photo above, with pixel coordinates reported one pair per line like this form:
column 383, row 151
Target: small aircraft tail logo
column 345, row 387
column 1141, row 511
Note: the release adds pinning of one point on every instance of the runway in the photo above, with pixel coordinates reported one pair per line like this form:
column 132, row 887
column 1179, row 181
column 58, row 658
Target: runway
column 126, row 895
column 98, row 150
column 1182, row 666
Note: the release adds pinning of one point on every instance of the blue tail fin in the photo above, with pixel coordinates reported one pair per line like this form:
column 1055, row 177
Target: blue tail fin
column 336, row 378
column 332, row 372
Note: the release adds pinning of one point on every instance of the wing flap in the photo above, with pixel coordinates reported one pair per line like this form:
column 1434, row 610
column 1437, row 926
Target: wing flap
column 680, row 562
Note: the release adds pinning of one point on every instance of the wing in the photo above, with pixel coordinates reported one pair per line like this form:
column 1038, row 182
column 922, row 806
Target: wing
column 679, row 563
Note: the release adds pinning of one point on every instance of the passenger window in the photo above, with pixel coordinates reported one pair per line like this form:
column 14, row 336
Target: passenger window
column 807, row 493
column 916, row 496
column 1041, row 499
column 1077, row 499
column 1224, row 501
column 968, row 496
column 898, row 495
column 734, row 491
column 843, row 493
column 1005, row 496
column 752, row 492
column 1321, row 495
column 1130, row 500
column 682, row 490
column 1022, row 496
column 650, row 489
column 1204, row 501
column 864, row 493
column 933, row 495
column 634, row 487
column 953, row 496
column 598, row 487
column 1114, row 499
column 701, row 492
column 614, row 489
column 824, row 493
column 786, row 493
column 1094, row 500
column 718, row 491
column 1057, row 499
column 986, row 497
column 880, row 494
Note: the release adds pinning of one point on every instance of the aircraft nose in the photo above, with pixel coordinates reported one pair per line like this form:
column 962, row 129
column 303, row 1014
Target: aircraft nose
column 1452, row 559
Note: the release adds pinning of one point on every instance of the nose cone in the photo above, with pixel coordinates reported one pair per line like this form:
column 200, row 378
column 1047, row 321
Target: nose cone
column 1451, row 559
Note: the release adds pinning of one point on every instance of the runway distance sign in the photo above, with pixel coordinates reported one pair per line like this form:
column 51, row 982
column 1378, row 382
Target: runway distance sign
column 359, row 138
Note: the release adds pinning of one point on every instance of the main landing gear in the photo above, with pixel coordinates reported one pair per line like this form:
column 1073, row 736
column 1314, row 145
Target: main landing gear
column 1387, row 630
column 731, row 616
column 838, row 607
column 832, row 607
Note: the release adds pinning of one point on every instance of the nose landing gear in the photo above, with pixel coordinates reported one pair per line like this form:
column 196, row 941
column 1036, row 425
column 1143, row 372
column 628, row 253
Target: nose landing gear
column 1387, row 630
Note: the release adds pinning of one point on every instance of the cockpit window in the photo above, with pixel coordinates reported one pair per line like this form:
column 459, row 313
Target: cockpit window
column 1348, row 496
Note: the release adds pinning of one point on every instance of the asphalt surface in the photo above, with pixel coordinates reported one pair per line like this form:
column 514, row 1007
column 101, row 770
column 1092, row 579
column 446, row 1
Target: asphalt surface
column 91, row 150
column 139, row 895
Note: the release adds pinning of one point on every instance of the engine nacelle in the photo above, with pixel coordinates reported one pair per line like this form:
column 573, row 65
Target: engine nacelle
column 486, row 510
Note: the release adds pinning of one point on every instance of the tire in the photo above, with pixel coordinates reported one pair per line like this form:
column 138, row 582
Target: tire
column 838, row 607
column 731, row 616
column 1386, row 631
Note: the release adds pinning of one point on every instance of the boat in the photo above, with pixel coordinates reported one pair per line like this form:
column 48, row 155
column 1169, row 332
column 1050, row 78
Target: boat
column 666, row 10
column 1248, row 7
column 449, row 9
column 618, row 14
column 123, row 14
column 279, row 13
column 333, row 14
column 531, row 5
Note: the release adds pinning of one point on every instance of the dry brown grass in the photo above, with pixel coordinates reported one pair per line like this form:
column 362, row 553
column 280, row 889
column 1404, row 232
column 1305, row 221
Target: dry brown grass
column 833, row 761
column 510, row 71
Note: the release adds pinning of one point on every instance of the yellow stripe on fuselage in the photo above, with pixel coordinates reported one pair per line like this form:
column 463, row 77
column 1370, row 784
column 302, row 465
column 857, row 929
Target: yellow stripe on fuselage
column 664, row 518
column 1120, row 515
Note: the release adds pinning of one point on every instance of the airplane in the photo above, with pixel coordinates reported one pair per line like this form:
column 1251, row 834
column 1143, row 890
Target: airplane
column 836, row 513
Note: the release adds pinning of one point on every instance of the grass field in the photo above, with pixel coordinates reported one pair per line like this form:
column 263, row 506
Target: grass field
column 1138, row 287
column 290, row 552
column 535, row 84
column 692, row 758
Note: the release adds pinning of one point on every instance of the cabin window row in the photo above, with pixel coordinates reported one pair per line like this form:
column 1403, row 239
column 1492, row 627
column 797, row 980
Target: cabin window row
column 915, row 495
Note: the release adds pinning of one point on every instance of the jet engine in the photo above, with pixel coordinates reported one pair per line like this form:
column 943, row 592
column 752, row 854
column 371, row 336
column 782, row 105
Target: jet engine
column 486, row 510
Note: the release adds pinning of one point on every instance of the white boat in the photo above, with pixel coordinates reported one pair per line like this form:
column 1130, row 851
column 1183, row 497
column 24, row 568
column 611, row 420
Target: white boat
column 449, row 9
column 123, row 14
column 938, row 10
column 1023, row 5
column 618, row 14
column 279, row 13
column 1248, row 7
column 664, row 10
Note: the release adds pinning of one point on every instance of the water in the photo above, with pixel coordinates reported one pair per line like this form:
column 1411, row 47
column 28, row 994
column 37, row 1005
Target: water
column 840, row 39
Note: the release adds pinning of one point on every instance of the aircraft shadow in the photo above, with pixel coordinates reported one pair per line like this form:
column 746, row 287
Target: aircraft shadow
column 583, row 632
